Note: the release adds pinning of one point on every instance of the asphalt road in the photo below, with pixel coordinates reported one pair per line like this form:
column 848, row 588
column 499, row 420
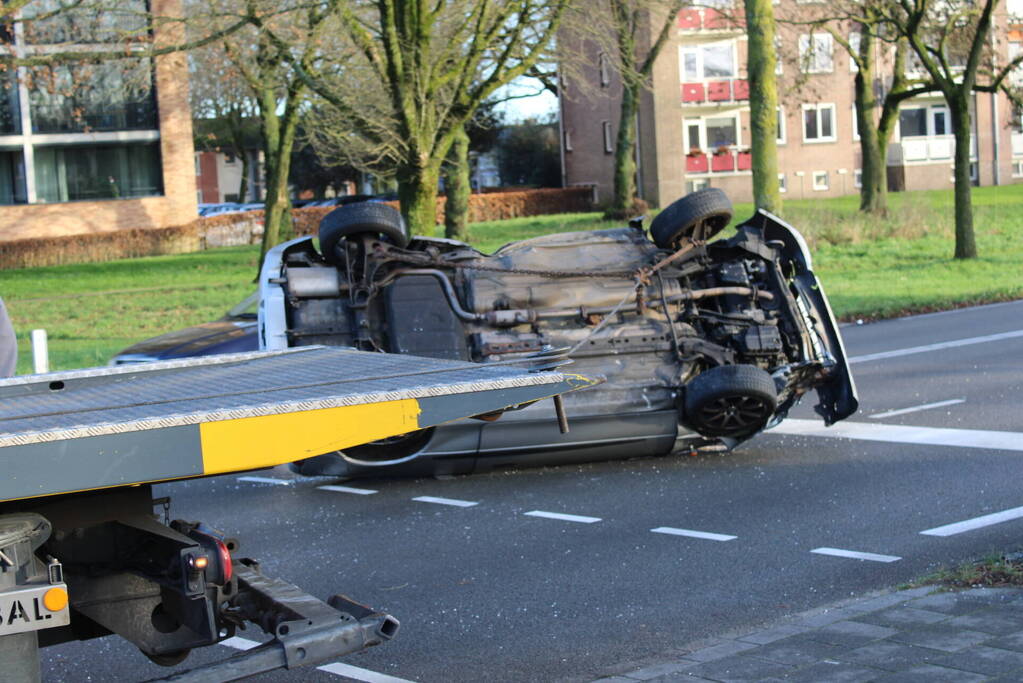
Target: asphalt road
column 487, row 592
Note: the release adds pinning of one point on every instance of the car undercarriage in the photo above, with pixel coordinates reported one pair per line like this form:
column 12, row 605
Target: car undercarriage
column 703, row 343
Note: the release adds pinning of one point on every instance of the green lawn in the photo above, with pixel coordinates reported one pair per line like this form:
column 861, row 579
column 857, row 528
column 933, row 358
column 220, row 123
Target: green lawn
column 870, row 268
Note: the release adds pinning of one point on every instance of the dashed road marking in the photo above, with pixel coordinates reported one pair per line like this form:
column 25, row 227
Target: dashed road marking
column 347, row 489
column 975, row 523
column 268, row 480
column 855, row 555
column 936, row 347
column 930, row 436
column 563, row 517
column 336, row 668
column 671, row 531
column 446, row 501
column 915, row 409
column 360, row 674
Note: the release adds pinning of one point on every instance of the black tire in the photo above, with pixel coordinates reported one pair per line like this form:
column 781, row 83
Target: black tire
column 698, row 216
column 730, row 400
column 358, row 219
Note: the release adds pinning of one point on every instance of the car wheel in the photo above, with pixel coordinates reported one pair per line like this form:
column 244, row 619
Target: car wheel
column 730, row 400
column 360, row 219
column 699, row 216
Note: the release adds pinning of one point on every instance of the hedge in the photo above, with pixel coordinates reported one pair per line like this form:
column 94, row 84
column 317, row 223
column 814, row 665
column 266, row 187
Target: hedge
column 247, row 228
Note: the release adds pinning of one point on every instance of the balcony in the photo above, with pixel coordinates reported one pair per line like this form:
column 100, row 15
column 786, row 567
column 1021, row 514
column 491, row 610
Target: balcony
column 722, row 160
column 710, row 19
column 923, row 149
column 715, row 92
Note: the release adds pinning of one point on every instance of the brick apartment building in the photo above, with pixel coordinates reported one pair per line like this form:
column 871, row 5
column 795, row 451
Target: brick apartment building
column 94, row 148
column 694, row 131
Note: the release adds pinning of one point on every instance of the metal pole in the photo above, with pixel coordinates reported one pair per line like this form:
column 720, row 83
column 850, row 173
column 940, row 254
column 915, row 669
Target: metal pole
column 40, row 352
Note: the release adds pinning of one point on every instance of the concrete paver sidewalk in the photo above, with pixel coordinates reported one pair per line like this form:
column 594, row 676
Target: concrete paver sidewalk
column 914, row 635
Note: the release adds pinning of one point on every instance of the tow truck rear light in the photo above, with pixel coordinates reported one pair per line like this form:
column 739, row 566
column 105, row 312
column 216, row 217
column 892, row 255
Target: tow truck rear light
column 218, row 556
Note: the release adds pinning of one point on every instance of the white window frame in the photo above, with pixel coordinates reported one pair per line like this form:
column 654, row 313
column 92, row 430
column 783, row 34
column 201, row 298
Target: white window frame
column 834, row 122
column 818, row 186
column 782, row 183
column 931, row 109
column 782, row 127
column 697, row 50
column 608, row 141
column 809, row 66
column 858, row 178
column 855, row 124
column 703, row 145
column 854, row 46
column 604, row 66
column 1017, row 168
column 697, row 184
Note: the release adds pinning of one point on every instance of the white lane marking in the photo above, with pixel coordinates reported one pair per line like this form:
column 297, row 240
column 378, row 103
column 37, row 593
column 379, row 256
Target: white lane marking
column 693, row 534
column 936, row 347
column 268, row 480
column 446, row 501
column 359, row 674
column 239, row 643
column 347, row 489
column 975, row 523
column 838, row 552
column 337, row 668
column 565, row 518
column 930, row 436
column 914, row 409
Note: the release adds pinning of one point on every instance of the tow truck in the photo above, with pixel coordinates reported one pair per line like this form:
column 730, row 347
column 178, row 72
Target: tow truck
column 87, row 551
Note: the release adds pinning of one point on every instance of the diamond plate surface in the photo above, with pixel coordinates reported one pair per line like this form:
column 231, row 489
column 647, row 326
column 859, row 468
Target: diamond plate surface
column 121, row 399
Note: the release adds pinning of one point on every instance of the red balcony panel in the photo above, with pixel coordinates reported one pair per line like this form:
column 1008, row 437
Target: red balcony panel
column 689, row 19
column 696, row 163
column 745, row 161
column 719, row 91
column 714, row 19
column 692, row 92
column 722, row 162
column 740, row 90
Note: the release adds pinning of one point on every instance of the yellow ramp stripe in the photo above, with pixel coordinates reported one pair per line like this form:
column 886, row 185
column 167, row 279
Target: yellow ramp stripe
column 269, row 440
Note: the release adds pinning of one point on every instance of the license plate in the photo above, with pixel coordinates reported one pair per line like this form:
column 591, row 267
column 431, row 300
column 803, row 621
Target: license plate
column 24, row 608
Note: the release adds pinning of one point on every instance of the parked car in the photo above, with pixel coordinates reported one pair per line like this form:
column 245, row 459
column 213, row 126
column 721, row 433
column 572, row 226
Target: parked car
column 703, row 344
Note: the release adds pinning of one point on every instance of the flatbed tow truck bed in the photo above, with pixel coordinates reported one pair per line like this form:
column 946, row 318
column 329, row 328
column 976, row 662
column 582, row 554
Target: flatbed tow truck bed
column 82, row 553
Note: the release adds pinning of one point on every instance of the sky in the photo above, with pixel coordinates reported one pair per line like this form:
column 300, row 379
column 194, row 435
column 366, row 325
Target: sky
column 531, row 100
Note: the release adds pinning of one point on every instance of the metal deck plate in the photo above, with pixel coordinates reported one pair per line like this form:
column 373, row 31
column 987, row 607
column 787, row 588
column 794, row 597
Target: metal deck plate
column 116, row 426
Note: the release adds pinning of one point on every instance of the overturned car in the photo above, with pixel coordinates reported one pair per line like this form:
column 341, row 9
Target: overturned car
column 703, row 344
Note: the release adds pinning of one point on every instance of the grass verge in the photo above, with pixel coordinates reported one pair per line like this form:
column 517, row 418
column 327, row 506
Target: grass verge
column 989, row 572
column 871, row 268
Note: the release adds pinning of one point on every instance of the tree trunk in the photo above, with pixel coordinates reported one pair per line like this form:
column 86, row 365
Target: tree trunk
column 873, row 144
column 761, row 62
column 625, row 154
column 243, row 184
column 279, row 138
column 417, row 191
column 458, row 187
column 966, row 245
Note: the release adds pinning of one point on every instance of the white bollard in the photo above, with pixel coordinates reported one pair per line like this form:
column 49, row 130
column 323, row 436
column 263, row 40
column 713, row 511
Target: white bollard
column 40, row 352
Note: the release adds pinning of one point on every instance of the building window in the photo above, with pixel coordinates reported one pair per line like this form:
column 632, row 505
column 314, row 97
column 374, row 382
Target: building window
column 712, row 132
column 815, row 53
column 780, row 132
column 116, row 95
column 711, row 60
column 1017, row 168
column 855, row 124
column 854, row 48
column 782, row 183
column 83, row 25
column 920, row 121
column 75, row 173
column 697, row 185
column 605, row 69
column 858, row 177
column 12, row 178
column 10, row 114
column 820, row 180
column 568, row 141
column 608, row 141
column 818, row 123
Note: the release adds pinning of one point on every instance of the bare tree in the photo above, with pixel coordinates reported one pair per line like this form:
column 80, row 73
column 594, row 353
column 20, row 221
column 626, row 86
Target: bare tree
column 435, row 63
